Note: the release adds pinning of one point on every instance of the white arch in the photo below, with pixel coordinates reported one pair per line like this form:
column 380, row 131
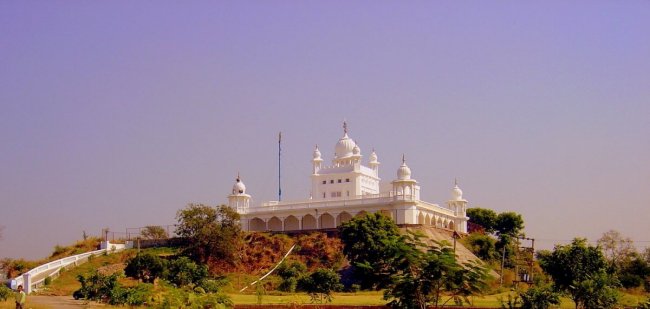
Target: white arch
column 342, row 218
column 291, row 223
column 421, row 218
column 308, row 222
column 327, row 221
column 275, row 224
column 257, row 224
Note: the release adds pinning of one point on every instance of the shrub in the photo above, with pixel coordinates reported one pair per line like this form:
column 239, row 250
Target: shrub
column 290, row 272
column 5, row 293
column 539, row 298
column 146, row 267
column 320, row 284
column 183, row 271
column 107, row 289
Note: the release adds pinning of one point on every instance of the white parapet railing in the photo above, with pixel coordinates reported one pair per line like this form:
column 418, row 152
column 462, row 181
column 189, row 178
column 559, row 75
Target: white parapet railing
column 35, row 278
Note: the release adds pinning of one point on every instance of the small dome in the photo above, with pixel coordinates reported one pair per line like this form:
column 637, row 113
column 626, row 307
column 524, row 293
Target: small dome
column 238, row 187
column 356, row 150
column 316, row 153
column 373, row 158
column 456, row 193
column 345, row 147
column 403, row 172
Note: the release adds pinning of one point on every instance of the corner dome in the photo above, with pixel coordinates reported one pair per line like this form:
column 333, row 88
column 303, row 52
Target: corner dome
column 456, row 193
column 356, row 150
column 373, row 158
column 317, row 155
column 238, row 187
column 403, row 172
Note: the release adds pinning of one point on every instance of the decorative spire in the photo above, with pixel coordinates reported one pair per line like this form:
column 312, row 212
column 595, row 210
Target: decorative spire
column 345, row 127
column 455, row 181
column 403, row 159
column 238, row 178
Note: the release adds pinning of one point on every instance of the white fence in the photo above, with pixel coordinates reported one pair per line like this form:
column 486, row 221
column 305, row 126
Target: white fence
column 35, row 278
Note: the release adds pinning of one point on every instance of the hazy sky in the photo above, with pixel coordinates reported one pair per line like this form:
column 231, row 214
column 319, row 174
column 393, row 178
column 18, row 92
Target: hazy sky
column 117, row 114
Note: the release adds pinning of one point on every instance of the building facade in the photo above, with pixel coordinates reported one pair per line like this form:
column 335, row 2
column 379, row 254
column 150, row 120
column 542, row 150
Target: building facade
column 348, row 188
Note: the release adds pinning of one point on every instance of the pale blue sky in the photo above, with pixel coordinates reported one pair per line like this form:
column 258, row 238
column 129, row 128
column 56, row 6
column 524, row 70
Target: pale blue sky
column 119, row 113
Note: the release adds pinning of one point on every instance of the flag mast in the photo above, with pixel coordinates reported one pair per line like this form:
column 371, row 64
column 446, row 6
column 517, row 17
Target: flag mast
column 280, row 166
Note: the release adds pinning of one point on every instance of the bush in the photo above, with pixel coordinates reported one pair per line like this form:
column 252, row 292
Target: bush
column 107, row 289
column 5, row 293
column 183, row 271
column 320, row 285
column 539, row 298
column 290, row 272
column 146, row 267
column 211, row 285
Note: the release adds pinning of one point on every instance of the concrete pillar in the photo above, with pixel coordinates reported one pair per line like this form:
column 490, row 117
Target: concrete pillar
column 27, row 283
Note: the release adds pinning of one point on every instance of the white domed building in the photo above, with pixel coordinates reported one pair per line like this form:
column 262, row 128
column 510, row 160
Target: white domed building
column 346, row 189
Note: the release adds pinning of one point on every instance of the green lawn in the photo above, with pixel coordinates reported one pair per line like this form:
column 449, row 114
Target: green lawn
column 376, row 298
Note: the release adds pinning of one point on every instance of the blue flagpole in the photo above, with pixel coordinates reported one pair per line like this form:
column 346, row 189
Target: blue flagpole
column 280, row 166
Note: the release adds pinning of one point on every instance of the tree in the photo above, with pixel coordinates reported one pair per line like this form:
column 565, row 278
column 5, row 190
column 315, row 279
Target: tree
column 616, row 248
column 580, row 270
column 482, row 246
column 635, row 273
column 320, row 284
column 487, row 218
column 146, row 267
column 427, row 278
column 509, row 223
column 369, row 243
column 211, row 233
column 154, row 232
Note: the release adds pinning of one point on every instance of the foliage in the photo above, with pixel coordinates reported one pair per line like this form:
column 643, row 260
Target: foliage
column 146, row 267
column 426, row 278
column 367, row 241
column 483, row 246
column 317, row 250
column 183, row 298
column 213, row 233
column 262, row 251
column 5, row 292
column 616, row 248
column 509, row 223
column 597, row 291
column 154, row 232
column 81, row 246
column 320, row 284
column 97, row 286
column 539, row 297
column 635, row 273
column 580, row 270
column 486, row 218
column 290, row 272
column 15, row 267
column 183, row 271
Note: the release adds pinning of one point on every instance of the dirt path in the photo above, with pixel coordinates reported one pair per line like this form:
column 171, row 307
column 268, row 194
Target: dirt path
column 59, row 302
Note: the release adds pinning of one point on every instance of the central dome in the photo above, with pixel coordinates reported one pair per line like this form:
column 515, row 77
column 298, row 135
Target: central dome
column 345, row 147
